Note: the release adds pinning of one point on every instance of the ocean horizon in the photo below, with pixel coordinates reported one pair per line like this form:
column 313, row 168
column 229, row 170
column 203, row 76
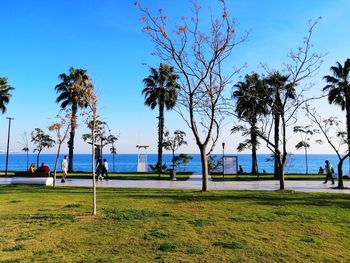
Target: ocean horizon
column 128, row 162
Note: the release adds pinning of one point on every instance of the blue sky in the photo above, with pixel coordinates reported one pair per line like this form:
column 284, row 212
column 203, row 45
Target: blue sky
column 41, row 39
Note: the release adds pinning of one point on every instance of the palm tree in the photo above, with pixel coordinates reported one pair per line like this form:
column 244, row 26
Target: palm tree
column 4, row 94
column 251, row 103
column 71, row 91
column 305, row 135
column 280, row 91
column 161, row 91
column 338, row 87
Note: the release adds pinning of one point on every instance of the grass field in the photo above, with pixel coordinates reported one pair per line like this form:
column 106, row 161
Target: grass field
column 118, row 176
column 135, row 225
column 250, row 177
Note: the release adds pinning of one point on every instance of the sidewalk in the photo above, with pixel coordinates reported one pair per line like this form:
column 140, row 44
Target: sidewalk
column 195, row 183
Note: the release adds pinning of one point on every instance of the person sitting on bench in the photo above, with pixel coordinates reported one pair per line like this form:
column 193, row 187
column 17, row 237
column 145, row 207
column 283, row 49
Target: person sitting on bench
column 43, row 170
column 31, row 168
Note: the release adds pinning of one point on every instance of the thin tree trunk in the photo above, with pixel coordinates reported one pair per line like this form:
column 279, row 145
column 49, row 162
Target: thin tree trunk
column 347, row 103
column 160, row 137
column 56, row 162
column 253, row 139
column 37, row 159
column 340, row 174
column 281, row 175
column 277, row 168
column 27, row 161
column 71, row 137
column 93, row 164
column 204, row 162
column 306, row 162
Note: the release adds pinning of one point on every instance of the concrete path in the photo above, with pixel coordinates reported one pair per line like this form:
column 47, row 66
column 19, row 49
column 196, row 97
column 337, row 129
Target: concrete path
column 195, row 182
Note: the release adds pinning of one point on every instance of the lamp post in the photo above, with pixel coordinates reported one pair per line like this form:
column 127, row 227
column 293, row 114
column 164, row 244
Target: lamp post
column 223, row 155
column 8, row 143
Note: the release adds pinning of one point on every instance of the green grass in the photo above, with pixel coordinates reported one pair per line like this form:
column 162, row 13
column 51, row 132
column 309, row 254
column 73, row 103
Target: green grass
column 118, row 176
column 154, row 225
column 251, row 177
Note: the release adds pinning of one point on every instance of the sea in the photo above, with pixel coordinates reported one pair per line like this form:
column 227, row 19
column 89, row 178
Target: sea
column 128, row 162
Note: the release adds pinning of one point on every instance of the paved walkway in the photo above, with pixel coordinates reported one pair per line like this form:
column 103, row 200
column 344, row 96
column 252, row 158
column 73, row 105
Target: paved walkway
column 195, row 182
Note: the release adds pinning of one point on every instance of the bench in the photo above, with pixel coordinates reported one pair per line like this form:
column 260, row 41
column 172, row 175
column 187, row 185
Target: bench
column 48, row 181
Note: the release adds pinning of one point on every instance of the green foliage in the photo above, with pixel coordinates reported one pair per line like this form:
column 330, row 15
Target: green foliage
column 181, row 161
column 338, row 85
column 167, row 247
column 41, row 139
column 307, row 239
column 214, row 164
column 15, row 248
column 5, row 95
column 195, row 251
column 129, row 214
column 154, row 168
column 158, row 234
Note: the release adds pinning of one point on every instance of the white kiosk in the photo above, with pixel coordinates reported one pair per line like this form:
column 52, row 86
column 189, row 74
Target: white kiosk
column 142, row 158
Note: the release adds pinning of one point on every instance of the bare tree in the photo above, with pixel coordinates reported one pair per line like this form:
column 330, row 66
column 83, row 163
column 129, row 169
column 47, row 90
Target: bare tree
column 61, row 129
column 198, row 54
column 331, row 130
column 287, row 99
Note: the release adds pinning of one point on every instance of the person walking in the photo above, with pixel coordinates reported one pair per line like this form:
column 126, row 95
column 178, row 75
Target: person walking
column 329, row 172
column 99, row 170
column 64, row 167
column 105, row 169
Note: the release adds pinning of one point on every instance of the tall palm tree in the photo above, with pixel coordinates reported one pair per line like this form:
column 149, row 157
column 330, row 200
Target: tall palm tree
column 280, row 91
column 338, row 88
column 251, row 102
column 161, row 91
column 5, row 95
column 70, row 91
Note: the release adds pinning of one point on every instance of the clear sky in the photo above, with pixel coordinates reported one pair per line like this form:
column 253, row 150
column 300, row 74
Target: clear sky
column 41, row 39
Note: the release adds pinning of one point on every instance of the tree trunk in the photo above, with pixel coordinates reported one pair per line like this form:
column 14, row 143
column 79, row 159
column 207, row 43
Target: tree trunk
column 204, row 162
column 276, row 142
column 160, row 137
column 340, row 174
column 347, row 105
column 93, row 164
column 281, row 175
column 56, row 162
column 27, row 161
column 37, row 159
column 254, row 141
column 306, row 162
column 71, row 137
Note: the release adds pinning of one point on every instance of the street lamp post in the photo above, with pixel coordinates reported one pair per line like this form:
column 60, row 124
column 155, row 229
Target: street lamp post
column 8, row 143
column 223, row 155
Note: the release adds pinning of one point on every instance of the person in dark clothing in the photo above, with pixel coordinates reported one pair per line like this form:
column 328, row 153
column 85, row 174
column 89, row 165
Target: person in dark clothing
column 240, row 170
column 329, row 171
column 43, row 170
column 99, row 170
column 105, row 169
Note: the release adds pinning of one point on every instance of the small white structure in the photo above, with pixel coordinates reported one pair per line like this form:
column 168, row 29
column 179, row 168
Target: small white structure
column 230, row 165
column 142, row 158
column 48, row 181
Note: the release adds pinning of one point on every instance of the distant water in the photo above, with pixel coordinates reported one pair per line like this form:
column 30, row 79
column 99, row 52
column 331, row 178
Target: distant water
column 128, row 162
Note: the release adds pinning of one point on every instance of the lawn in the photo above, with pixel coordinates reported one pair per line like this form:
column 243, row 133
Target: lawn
column 137, row 225
column 251, row 177
column 118, row 176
